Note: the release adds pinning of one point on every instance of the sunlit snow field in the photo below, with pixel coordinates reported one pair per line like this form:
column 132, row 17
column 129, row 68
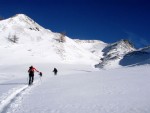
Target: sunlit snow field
column 76, row 89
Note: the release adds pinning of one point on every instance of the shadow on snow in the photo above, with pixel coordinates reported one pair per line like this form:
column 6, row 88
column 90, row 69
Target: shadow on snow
column 135, row 58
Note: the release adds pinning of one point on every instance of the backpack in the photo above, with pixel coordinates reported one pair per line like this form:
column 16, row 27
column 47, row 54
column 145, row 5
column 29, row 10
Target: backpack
column 31, row 71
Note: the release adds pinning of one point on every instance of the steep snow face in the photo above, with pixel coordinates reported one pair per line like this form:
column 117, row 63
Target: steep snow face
column 114, row 52
column 138, row 57
column 94, row 46
column 146, row 49
column 117, row 49
column 24, row 40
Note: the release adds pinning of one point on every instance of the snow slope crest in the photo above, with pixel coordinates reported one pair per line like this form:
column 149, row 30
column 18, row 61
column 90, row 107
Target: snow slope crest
column 88, row 41
column 94, row 46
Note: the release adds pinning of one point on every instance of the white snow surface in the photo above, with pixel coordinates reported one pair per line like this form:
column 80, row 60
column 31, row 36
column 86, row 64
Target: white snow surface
column 114, row 52
column 76, row 89
column 94, row 46
column 37, row 44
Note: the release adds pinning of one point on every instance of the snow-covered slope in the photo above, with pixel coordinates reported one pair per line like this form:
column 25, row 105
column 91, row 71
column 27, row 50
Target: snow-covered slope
column 23, row 27
column 138, row 57
column 24, row 40
column 94, row 46
column 146, row 49
column 76, row 89
column 114, row 52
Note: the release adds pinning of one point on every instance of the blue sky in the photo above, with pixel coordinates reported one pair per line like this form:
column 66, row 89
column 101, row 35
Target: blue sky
column 106, row 20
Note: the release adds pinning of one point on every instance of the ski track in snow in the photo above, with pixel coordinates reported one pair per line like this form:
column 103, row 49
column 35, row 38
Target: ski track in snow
column 122, row 90
column 14, row 96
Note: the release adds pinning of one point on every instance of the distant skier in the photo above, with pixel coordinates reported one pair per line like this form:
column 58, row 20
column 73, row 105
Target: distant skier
column 55, row 71
column 40, row 74
column 31, row 74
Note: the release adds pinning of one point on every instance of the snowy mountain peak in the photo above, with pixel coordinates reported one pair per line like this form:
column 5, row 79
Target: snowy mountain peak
column 118, row 48
column 22, row 18
column 25, row 21
column 22, row 38
column 19, row 20
column 38, row 44
column 125, row 42
column 23, row 28
column 114, row 52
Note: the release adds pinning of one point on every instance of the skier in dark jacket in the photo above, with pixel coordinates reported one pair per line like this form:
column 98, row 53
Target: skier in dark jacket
column 40, row 74
column 31, row 74
column 55, row 71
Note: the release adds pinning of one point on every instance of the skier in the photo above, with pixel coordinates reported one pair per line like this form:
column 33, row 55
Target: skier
column 40, row 74
column 55, row 71
column 31, row 74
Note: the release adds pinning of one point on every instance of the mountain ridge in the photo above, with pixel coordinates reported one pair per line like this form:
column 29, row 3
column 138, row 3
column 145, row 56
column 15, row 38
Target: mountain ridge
column 36, row 42
column 123, row 53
